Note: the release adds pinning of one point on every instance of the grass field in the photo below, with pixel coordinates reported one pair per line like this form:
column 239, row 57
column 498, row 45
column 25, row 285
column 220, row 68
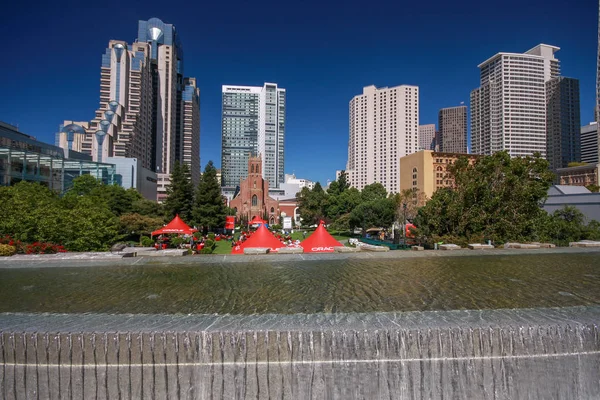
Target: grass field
column 224, row 246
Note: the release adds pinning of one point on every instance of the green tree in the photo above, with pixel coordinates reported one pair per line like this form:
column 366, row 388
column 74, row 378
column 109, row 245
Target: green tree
column 498, row 197
column 180, row 193
column 593, row 188
column 29, row 212
column 89, row 226
column 84, row 185
column 374, row 213
column 209, row 209
column 312, row 204
column 135, row 225
column 147, row 208
column 374, row 191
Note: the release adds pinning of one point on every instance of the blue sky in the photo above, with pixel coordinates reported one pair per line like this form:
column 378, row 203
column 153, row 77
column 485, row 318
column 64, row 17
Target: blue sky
column 322, row 52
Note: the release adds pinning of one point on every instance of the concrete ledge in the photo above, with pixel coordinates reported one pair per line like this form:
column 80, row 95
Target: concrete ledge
column 479, row 246
column 290, row 250
column 256, row 250
column 545, row 245
column 345, row 249
column 417, row 248
column 449, row 247
column 521, row 246
column 370, row 247
column 163, row 253
column 585, row 243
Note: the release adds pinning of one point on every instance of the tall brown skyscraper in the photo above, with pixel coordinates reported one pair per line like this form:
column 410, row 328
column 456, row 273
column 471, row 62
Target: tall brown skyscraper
column 452, row 124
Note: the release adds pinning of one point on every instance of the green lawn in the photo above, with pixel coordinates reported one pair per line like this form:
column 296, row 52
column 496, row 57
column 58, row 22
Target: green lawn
column 224, row 246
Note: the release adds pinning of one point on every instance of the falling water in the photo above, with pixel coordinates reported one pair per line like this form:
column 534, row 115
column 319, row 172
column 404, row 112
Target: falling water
column 503, row 354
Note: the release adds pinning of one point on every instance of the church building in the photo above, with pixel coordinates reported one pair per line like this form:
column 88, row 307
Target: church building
column 253, row 199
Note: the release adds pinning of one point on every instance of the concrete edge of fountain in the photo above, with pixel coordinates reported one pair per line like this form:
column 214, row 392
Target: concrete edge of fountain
column 376, row 321
column 23, row 262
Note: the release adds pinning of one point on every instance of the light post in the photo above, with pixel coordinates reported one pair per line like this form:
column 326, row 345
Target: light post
column 71, row 130
column 404, row 223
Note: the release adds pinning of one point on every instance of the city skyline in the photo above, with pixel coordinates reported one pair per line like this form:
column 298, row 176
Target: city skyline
column 331, row 61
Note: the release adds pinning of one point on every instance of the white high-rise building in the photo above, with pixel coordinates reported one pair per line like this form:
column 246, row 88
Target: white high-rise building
column 508, row 110
column 252, row 123
column 384, row 126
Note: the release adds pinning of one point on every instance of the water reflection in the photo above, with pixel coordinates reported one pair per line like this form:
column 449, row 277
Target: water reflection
column 354, row 285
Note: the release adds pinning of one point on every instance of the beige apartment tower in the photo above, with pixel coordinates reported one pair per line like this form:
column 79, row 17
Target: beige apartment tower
column 508, row 110
column 384, row 126
column 452, row 123
column 426, row 171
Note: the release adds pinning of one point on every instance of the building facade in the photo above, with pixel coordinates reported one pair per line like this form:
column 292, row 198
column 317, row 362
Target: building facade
column 253, row 123
column 148, row 110
column 426, row 171
column 452, row 124
column 253, row 198
column 427, row 137
column 123, row 122
column 22, row 158
column 563, row 123
column 189, row 146
column 384, row 127
column 597, row 109
column 508, row 110
column 583, row 175
column 590, row 143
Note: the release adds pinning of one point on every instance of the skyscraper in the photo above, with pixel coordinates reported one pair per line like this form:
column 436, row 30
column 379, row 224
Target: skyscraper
column 508, row 110
column 123, row 121
column 188, row 149
column 384, row 125
column 427, row 137
column 563, row 125
column 148, row 110
column 590, row 143
column 452, row 124
column 597, row 110
column 253, row 124
column 166, row 60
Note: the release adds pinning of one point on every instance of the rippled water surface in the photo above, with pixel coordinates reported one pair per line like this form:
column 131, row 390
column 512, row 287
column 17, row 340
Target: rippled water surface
column 436, row 283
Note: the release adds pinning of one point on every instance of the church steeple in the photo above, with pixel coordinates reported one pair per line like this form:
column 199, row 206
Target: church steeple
column 255, row 166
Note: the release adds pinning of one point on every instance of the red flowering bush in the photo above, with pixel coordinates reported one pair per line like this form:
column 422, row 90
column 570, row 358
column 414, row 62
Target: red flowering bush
column 33, row 248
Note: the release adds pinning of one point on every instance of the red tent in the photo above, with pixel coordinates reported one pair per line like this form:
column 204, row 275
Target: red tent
column 320, row 241
column 261, row 238
column 408, row 232
column 175, row 226
column 257, row 220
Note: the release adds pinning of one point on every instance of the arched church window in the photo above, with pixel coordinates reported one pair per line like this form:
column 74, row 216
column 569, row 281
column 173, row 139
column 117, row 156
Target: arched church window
column 254, row 201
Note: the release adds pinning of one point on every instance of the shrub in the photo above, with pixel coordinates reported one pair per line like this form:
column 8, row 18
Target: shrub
column 146, row 241
column 7, row 250
column 197, row 235
column 176, row 241
column 211, row 236
column 44, row 248
column 209, row 244
column 205, row 250
column 17, row 244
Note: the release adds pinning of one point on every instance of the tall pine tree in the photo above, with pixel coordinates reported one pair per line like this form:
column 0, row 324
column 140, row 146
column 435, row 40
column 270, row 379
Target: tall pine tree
column 180, row 193
column 209, row 209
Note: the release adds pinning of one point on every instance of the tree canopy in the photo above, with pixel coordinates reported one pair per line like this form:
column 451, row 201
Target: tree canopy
column 209, row 210
column 180, row 193
column 498, row 197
